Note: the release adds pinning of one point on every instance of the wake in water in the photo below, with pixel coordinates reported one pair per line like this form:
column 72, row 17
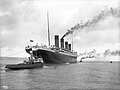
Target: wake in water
column 46, row 67
column 2, row 67
column 67, row 63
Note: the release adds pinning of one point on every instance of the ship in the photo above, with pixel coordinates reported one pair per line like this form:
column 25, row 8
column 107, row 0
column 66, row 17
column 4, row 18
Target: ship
column 55, row 54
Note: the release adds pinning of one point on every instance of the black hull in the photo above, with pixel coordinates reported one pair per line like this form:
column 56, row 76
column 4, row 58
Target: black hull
column 54, row 57
column 24, row 66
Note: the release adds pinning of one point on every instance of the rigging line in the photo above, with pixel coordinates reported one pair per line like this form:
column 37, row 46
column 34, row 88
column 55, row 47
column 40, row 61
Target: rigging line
column 14, row 53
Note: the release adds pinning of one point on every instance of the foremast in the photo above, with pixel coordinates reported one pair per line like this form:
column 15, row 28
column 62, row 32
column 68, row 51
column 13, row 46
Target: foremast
column 48, row 29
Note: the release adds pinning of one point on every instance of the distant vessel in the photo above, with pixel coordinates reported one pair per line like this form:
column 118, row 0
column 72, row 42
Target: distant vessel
column 89, row 56
column 54, row 54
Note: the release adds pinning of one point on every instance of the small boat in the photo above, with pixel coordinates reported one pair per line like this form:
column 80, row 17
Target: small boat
column 24, row 66
column 31, row 64
column 81, row 60
column 110, row 61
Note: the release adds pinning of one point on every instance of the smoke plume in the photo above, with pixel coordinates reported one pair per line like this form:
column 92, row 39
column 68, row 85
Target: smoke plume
column 115, row 12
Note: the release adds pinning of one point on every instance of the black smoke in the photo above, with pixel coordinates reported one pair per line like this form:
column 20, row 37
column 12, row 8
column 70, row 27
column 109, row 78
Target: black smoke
column 115, row 12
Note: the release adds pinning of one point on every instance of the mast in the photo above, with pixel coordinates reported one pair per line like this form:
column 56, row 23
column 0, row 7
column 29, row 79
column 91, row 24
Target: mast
column 0, row 47
column 48, row 29
column 72, row 43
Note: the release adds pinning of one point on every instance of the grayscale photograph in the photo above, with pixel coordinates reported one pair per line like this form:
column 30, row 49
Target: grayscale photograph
column 59, row 44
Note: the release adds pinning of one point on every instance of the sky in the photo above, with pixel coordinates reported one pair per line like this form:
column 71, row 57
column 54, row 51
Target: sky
column 22, row 20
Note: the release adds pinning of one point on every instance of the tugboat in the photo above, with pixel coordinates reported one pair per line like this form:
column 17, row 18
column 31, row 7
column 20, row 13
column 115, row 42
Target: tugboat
column 30, row 64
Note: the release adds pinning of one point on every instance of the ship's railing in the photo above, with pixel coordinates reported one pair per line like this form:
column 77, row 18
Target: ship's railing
column 36, row 47
column 57, row 49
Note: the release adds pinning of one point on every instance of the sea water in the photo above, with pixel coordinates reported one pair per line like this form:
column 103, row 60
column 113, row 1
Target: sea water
column 78, row 76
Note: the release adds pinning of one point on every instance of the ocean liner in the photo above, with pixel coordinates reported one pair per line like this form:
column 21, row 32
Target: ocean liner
column 53, row 54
